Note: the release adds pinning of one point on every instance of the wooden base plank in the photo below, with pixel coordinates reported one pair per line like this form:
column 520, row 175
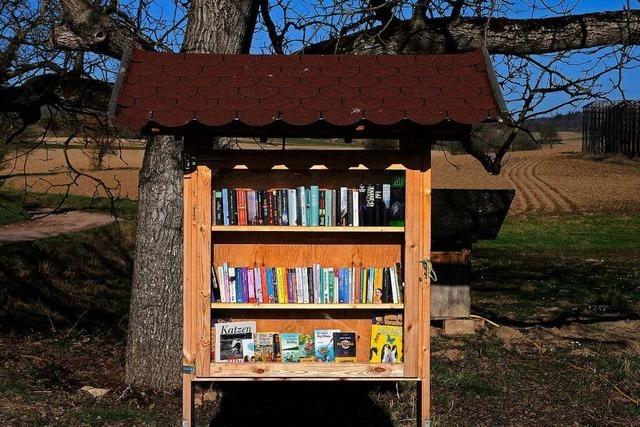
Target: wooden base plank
column 243, row 306
column 306, row 370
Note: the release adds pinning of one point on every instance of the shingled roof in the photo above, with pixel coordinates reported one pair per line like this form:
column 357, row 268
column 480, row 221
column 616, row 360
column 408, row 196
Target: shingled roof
column 174, row 90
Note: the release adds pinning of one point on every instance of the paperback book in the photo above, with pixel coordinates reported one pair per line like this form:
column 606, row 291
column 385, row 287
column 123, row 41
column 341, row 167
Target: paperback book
column 323, row 344
column 264, row 347
column 290, row 347
column 344, row 347
column 386, row 344
column 229, row 340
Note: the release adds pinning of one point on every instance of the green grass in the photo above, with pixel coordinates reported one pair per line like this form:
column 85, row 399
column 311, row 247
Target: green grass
column 14, row 203
column 569, row 234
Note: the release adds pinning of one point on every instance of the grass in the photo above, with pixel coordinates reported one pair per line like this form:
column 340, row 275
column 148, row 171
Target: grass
column 556, row 270
column 14, row 204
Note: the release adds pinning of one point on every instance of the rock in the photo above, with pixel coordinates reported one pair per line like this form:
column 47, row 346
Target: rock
column 459, row 327
column 94, row 391
column 209, row 396
column 451, row 354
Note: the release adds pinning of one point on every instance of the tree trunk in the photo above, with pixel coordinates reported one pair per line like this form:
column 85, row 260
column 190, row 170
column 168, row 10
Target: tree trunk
column 154, row 349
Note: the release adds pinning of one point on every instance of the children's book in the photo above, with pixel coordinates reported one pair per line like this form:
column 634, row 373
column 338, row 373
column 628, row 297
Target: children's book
column 307, row 350
column 290, row 347
column 386, row 344
column 248, row 350
column 323, row 344
column 229, row 338
column 344, row 347
column 264, row 350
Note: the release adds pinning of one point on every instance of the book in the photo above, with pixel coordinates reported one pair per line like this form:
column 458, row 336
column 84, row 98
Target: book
column 290, row 347
column 323, row 344
column 344, row 207
column 251, row 286
column 257, row 282
column 302, row 206
column 252, row 211
column 218, row 209
column 292, row 207
column 356, row 208
column 263, row 346
column 386, row 203
column 378, row 205
column 225, row 207
column 228, row 337
column 396, row 210
column 362, row 205
column 215, row 285
column 314, row 205
column 377, row 286
column 370, row 208
column 344, row 347
column 386, row 344
column 233, row 287
column 248, row 353
column 233, row 208
column 307, row 348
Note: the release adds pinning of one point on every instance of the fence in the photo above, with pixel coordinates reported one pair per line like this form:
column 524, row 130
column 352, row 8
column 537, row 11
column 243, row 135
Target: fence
column 612, row 128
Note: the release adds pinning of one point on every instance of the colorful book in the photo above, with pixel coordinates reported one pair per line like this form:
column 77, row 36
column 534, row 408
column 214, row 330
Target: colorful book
column 323, row 344
column 307, row 348
column 218, row 209
column 228, row 340
column 225, row 207
column 344, row 347
column 251, row 285
column 248, row 350
column 377, row 286
column 290, row 347
column 264, row 350
column 386, row 344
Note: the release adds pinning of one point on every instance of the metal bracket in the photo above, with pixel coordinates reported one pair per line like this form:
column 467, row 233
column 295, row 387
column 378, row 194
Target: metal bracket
column 189, row 162
column 186, row 369
column 429, row 272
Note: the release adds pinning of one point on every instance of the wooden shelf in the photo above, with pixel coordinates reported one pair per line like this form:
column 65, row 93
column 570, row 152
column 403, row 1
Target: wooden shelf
column 300, row 229
column 243, row 306
column 312, row 370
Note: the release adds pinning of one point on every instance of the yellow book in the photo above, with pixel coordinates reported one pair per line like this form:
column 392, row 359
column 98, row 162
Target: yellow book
column 282, row 287
column 386, row 344
column 377, row 286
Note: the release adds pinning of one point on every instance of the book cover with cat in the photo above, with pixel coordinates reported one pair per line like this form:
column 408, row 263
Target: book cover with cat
column 323, row 344
column 386, row 344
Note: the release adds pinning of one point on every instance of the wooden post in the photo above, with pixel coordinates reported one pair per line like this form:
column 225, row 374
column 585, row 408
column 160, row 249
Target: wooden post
column 425, row 312
column 189, row 292
column 203, row 271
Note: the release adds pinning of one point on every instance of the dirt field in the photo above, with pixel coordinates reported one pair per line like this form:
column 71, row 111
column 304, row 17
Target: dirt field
column 554, row 181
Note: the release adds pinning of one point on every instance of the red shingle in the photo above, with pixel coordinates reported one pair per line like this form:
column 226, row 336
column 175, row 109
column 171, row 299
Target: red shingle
column 173, row 90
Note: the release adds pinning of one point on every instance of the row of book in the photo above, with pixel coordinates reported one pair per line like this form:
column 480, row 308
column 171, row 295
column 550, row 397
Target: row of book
column 239, row 342
column 304, row 285
column 367, row 205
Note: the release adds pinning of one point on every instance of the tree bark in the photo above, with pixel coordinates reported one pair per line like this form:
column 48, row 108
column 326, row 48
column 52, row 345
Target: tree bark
column 499, row 35
column 154, row 349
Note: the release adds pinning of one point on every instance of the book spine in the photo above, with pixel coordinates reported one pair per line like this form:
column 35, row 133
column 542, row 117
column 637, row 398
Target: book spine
column 264, row 284
column 245, row 285
column 314, row 194
column 307, row 201
column 241, row 198
column 259, row 217
column 370, row 212
column 252, row 218
column 219, row 213
column 386, row 285
column 352, row 285
column 233, row 285
column 264, row 208
column 378, row 204
column 225, row 207
column 302, row 206
column 309, row 282
column 356, row 209
column 386, row 203
column 400, row 282
column 344, row 207
column 284, row 194
column 396, row 214
column 321, row 209
column 233, row 208
column 370, row 280
column 224, row 284
column 278, row 212
column 362, row 204
column 271, row 207
column 350, row 207
column 377, row 286
column 291, row 296
column 394, row 285
column 257, row 280
column 251, row 286
column 336, row 273
column 327, row 208
column 292, row 207
column 334, row 208
column 282, row 285
column 215, row 285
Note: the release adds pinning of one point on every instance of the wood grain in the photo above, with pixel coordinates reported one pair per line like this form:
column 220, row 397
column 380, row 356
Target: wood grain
column 306, row 370
column 188, row 292
column 425, row 309
column 203, row 270
column 299, row 229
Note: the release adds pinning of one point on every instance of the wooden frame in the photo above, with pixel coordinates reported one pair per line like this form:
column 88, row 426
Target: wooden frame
column 203, row 242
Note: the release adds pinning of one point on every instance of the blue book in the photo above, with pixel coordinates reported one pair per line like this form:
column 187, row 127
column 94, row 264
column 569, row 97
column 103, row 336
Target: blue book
column 245, row 285
column 270, row 296
column 307, row 201
column 225, row 206
column 239, row 286
column 274, row 284
column 315, row 205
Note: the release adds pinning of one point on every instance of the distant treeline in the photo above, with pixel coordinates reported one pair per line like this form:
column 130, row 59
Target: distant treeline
column 570, row 122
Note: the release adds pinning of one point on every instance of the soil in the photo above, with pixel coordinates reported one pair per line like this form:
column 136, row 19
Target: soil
column 53, row 225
